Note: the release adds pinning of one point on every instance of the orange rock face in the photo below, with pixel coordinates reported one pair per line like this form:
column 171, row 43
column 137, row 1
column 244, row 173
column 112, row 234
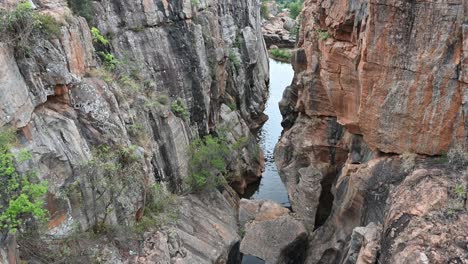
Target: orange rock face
column 395, row 72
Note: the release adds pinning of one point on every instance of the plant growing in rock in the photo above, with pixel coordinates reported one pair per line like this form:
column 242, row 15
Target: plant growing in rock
column 160, row 209
column 281, row 54
column 409, row 162
column 322, row 34
column 82, row 8
column 179, row 109
column 98, row 38
column 23, row 25
column 108, row 178
column 22, row 195
column 212, row 159
column 458, row 157
column 207, row 163
column 109, row 61
column 295, row 9
column 234, row 59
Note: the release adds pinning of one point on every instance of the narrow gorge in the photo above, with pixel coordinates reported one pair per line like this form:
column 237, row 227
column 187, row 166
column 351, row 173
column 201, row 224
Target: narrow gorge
column 177, row 131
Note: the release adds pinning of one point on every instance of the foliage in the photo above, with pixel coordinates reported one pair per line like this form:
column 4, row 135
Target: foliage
column 195, row 3
column 22, row 195
column 323, row 34
column 21, row 26
column 82, row 8
column 97, row 37
column 458, row 157
column 208, row 159
column 409, row 162
column 160, row 209
column 281, row 54
column 234, row 59
column 295, row 9
column 179, row 109
column 264, row 9
column 110, row 62
column 108, row 176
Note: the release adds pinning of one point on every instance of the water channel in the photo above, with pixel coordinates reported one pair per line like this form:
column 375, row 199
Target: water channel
column 271, row 187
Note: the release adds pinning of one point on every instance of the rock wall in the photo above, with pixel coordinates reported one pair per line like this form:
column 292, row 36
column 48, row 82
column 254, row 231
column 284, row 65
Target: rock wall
column 373, row 80
column 210, row 54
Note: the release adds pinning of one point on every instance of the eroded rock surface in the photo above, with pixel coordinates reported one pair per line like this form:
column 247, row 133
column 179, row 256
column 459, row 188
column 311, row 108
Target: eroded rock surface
column 271, row 232
column 280, row 31
column 64, row 104
column 369, row 86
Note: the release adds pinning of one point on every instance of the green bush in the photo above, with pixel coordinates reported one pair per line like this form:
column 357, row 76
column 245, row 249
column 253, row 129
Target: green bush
column 179, row 109
column 98, row 38
column 21, row 26
column 234, row 59
column 109, row 61
column 22, row 196
column 82, row 8
column 281, row 54
column 108, row 174
column 208, row 159
column 264, row 10
column 160, row 209
column 295, row 9
column 323, row 35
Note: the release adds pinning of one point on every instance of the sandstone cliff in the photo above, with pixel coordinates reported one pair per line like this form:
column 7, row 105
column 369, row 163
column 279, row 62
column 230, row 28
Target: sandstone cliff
column 203, row 55
column 374, row 80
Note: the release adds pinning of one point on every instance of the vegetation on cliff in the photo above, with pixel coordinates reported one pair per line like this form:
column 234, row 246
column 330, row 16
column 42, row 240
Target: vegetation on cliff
column 23, row 25
column 22, row 194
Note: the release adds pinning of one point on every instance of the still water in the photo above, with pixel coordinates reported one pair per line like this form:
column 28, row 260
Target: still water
column 271, row 187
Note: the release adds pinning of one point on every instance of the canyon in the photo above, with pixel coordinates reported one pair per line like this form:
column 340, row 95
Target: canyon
column 112, row 109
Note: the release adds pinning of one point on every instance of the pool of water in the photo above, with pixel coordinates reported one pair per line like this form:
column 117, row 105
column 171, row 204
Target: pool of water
column 271, row 187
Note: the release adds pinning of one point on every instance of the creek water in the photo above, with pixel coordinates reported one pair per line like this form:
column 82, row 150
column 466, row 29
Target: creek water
column 270, row 187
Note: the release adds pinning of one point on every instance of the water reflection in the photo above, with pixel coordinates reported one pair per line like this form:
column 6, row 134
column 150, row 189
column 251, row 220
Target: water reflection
column 271, row 187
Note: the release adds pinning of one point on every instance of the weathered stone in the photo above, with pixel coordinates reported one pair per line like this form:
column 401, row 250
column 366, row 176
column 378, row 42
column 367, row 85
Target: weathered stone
column 259, row 210
column 281, row 239
column 276, row 31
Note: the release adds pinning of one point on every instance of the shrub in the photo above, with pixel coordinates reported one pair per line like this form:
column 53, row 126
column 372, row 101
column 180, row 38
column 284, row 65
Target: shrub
column 208, row 158
column 179, row 109
column 323, row 34
column 82, row 8
column 458, row 157
column 160, row 209
column 21, row 26
column 409, row 161
column 109, row 61
column 98, row 38
column 108, row 174
column 22, row 195
column 295, row 9
column 234, row 59
column 264, row 10
column 281, row 54
column 195, row 3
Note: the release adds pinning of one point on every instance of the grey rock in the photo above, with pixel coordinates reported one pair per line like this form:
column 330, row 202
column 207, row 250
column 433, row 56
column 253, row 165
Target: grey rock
column 279, row 240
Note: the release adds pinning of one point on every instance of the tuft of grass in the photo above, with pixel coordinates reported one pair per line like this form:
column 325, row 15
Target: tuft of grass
column 179, row 109
column 323, row 34
column 234, row 59
column 281, row 54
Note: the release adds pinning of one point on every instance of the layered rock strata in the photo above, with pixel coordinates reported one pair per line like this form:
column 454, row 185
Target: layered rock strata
column 370, row 85
column 206, row 54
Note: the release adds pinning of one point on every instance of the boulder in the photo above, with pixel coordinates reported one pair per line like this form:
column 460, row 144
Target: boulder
column 272, row 233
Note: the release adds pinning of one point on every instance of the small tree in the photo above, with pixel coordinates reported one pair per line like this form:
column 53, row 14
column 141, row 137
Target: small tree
column 295, row 9
column 208, row 163
column 22, row 196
